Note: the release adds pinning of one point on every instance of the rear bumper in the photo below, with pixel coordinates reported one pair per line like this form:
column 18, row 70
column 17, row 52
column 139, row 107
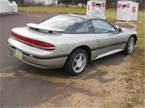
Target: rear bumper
column 41, row 61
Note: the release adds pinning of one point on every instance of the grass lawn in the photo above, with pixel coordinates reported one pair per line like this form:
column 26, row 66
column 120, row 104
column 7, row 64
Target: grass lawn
column 51, row 9
column 131, row 70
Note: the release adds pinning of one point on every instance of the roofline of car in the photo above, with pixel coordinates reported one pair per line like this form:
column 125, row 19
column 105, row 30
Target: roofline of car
column 95, row 19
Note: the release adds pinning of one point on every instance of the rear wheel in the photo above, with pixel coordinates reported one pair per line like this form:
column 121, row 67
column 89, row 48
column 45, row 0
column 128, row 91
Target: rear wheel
column 77, row 62
column 130, row 46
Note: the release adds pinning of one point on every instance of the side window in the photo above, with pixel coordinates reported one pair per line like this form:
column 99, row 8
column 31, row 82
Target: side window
column 85, row 27
column 101, row 26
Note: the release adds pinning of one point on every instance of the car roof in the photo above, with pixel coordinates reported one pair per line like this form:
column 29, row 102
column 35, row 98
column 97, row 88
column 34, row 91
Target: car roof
column 82, row 17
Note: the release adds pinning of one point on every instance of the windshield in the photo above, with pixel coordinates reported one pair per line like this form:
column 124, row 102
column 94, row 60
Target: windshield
column 60, row 22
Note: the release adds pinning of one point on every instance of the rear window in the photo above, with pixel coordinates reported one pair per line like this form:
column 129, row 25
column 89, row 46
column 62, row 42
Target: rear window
column 61, row 22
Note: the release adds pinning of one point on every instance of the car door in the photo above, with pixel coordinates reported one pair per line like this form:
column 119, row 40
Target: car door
column 80, row 34
column 106, row 37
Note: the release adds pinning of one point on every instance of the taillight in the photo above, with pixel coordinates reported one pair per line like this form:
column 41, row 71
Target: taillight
column 37, row 43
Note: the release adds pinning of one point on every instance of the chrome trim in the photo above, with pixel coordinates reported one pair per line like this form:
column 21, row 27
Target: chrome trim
column 109, row 53
column 108, row 46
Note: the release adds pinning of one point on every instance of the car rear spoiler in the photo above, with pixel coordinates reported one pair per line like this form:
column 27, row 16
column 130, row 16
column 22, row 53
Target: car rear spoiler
column 43, row 29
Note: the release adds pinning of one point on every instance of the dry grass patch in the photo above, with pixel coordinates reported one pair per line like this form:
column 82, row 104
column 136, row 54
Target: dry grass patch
column 106, row 86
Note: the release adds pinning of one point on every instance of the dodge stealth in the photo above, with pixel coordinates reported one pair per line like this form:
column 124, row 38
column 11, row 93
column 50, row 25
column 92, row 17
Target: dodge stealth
column 70, row 41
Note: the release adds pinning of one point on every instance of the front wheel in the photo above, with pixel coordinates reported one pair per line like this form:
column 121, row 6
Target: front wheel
column 130, row 46
column 77, row 62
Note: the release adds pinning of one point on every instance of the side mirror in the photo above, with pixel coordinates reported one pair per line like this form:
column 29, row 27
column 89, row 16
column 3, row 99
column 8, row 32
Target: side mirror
column 119, row 30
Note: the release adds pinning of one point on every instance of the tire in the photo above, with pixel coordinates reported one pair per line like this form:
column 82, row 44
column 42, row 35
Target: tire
column 129, row 46
column 77, row 62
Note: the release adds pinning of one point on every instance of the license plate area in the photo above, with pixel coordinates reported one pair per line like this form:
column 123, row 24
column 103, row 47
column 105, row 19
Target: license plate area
column 19, row 54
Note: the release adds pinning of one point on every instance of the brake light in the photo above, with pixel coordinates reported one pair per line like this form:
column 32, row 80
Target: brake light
column 34, row 42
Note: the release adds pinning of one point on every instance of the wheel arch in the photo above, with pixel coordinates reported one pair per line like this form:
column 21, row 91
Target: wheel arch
column 135, row 36
column 84, row 47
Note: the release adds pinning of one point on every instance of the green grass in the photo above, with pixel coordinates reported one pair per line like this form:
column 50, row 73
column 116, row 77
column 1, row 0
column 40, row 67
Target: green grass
column 46, row 9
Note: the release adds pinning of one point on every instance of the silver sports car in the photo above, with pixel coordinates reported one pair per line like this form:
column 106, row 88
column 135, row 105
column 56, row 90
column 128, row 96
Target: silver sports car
column 70, row 41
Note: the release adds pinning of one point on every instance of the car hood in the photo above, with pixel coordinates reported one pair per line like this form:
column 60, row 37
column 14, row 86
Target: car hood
column 129, row 30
